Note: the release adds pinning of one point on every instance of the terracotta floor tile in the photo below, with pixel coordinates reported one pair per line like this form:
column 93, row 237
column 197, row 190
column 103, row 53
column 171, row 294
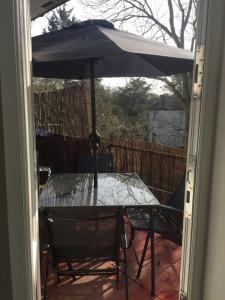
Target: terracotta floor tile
column 105, row 288
column 169, row 295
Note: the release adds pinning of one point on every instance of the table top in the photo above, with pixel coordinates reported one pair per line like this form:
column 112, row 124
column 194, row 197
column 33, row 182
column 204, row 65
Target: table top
column 114, row 189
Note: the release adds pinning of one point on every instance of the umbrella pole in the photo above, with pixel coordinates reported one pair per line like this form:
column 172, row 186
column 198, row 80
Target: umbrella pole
column 93, row 117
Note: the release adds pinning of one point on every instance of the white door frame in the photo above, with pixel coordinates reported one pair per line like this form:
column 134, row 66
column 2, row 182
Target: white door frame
column 18, row 187
column 201, row 160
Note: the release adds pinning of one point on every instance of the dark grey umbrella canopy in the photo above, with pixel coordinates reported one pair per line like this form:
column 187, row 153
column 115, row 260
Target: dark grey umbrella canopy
column 66, row 53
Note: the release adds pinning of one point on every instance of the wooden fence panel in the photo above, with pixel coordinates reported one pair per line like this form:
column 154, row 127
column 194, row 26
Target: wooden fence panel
column 60, row 153
column 159, row 166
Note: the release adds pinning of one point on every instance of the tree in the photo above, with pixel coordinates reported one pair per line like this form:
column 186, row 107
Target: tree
column 131, row 104
column 132, row 99
column 124, row 112
column 108, row 123
column 172, row 21
column 59, row 18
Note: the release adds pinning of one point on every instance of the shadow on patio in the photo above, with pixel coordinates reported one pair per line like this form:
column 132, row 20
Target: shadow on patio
column 168, row 258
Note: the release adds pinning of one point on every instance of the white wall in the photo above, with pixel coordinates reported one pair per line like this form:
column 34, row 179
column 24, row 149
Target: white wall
column 168, row 125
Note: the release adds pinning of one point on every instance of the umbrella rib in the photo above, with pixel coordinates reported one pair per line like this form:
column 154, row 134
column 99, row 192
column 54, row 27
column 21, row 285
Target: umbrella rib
column 114, row 43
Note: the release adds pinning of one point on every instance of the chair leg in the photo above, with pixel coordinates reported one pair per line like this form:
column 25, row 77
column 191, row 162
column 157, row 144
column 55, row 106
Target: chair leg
column 135, row 253
column 70, row 268
column 118, row 273
column 131, row 236
column 57, row 273
column 143, row 255
column 125, row 274
column 152, row 264
column 46, row 277
column 131, row 244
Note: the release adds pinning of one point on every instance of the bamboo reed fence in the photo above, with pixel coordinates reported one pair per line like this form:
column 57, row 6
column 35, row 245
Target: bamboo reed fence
column 63, row 112
column 158, row 166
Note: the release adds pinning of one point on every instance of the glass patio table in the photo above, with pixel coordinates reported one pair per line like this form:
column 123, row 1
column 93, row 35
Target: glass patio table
column 114, row 189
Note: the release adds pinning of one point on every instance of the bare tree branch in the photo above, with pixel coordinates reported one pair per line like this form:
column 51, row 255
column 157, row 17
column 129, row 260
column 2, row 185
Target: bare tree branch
column 152, row 17
column 171, row 19
column 188, row 13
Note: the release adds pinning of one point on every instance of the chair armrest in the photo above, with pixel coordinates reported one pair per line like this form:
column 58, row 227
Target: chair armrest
column 172, row 209
column 45, row 169
column 159, row 190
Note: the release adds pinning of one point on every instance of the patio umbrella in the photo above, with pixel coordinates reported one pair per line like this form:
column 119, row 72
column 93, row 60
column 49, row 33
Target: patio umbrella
column 95, row 49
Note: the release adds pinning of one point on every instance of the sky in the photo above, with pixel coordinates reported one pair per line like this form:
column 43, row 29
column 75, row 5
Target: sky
column 83, row 13
column 80, row 13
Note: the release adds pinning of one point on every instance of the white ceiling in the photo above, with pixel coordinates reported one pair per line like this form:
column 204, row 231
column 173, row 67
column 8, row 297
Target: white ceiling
column 40, row 7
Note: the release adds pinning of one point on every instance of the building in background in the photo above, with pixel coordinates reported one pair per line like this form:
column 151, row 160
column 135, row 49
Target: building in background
column 167, row 121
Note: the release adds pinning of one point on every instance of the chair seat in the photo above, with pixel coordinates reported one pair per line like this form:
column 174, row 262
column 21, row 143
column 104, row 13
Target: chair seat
column 142, row 222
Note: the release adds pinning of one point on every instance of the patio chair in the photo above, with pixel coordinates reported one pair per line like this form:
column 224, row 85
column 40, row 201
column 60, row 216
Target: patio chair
column 166, row 220
column 43, row 175
column 87, row 235
column 104, row 162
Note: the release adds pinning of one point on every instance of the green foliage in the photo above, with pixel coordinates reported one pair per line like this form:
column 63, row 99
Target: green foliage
column 108, row 123
column 124, row 113
column 133, row 98
column 59, row 18
column 132, row 104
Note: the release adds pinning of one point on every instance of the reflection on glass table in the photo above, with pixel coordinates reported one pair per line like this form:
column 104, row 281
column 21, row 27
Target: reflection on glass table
column 113, row 189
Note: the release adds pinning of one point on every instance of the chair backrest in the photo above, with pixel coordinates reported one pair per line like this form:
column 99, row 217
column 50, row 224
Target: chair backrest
column 173, row 219
column 104, row 162
column 44, row 174
column 177, row 199
column 81, row 233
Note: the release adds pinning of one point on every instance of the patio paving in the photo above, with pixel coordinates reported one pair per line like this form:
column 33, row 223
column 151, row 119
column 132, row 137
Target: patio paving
column 168, row 259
